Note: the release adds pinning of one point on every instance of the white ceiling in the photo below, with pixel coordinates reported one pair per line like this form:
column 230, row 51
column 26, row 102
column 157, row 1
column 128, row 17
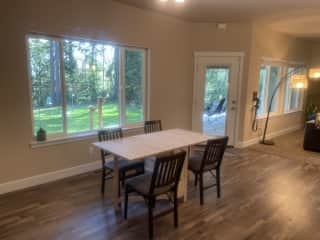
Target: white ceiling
column 297, row 17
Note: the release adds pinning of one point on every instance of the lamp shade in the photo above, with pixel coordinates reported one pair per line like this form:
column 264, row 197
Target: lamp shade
column 314, row 73
column 299, row 81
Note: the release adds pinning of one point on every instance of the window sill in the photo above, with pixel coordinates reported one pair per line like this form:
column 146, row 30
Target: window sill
column 272, row 115
column 293, row 111
column 78, row 137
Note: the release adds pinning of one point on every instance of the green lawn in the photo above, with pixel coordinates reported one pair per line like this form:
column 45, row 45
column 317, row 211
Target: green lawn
column 78, row 118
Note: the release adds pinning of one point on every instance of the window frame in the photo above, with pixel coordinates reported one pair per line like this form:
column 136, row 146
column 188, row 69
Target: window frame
column 287, row 99
column 121, row 91
column 281, row 94
column 122, row 88
column 276, row 99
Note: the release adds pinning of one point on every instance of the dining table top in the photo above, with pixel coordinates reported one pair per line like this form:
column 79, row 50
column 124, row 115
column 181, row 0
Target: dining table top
column 151, row 144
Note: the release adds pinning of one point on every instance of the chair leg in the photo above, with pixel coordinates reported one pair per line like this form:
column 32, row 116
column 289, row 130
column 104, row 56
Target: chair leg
column 150, row 213
column 175, row 206
column 218, row 183
column 201, row 188
column 123, row 179
column 126, row 203
column 119, row 191
column 103, row 180
column 195, row 179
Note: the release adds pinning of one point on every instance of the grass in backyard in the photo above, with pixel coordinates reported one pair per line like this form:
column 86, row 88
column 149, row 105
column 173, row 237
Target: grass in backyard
column 78, row 118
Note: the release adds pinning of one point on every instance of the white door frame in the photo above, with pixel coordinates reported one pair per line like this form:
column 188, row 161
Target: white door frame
column 241, row 56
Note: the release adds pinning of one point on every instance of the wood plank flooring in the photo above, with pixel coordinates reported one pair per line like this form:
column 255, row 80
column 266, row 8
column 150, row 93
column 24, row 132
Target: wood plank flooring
column 267, row 193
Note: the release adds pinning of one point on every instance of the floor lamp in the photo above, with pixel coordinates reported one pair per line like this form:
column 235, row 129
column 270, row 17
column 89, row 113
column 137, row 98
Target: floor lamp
column 297, row 81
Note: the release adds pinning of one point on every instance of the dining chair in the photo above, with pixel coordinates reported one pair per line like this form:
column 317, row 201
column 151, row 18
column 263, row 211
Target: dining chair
column 208, row 161
column 163, row 180
column 127, row 168
column 152, row 126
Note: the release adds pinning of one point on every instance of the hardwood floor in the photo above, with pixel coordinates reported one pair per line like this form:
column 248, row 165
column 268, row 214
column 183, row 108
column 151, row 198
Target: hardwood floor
column 267, row 193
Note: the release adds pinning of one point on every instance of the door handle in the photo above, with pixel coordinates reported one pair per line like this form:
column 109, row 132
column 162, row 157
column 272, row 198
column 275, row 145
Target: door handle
column 233, row 108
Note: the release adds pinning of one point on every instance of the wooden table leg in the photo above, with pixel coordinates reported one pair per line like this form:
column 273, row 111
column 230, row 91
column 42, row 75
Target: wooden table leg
column 183, row 185
column 116, row 190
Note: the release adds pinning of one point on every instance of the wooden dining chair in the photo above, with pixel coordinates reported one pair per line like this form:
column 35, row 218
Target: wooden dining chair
column 127, row 168
column 208, row 161
column 152, row 126
column 163, row 180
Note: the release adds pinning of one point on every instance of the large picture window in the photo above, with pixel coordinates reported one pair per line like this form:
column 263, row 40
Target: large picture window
column 79, row 86
column 293, row 98
column 269, row 79
column 286, row 99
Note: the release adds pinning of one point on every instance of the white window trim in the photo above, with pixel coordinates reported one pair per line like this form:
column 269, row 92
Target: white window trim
column 79, row 137
column 64, row 137
column 275, row 115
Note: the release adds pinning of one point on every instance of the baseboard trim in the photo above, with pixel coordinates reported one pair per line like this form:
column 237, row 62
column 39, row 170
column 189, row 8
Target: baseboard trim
column 270, row 135
column 47, row 177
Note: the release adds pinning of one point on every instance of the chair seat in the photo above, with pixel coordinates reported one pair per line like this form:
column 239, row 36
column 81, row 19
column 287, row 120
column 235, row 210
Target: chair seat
column 149, row 163
column 141, row 184
column 125, row 165
column 195, row 163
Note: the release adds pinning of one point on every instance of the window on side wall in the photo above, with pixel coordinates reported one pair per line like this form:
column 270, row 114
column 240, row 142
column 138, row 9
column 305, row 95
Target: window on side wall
column 79, row 86
column 293, row 98
column 268, row 81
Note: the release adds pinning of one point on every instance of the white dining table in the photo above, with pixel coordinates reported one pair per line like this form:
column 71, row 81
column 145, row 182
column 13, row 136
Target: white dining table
column 146, row 145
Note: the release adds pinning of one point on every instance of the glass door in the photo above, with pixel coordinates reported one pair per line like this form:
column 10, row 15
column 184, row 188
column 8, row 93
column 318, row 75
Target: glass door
column 215, row 101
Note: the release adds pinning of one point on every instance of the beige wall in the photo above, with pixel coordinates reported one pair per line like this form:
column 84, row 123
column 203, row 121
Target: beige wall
column 314, row 85
column 171, row 72
column 172, row 43
column 256, row 41
column 270, row 44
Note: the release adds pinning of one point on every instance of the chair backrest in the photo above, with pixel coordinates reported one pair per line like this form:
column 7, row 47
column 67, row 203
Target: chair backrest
column 152, row 126
column 167, row 171
column 214, row 152
column 108, row 135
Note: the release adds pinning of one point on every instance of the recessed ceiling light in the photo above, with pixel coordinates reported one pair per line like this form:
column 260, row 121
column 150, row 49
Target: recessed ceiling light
column 179, row 1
